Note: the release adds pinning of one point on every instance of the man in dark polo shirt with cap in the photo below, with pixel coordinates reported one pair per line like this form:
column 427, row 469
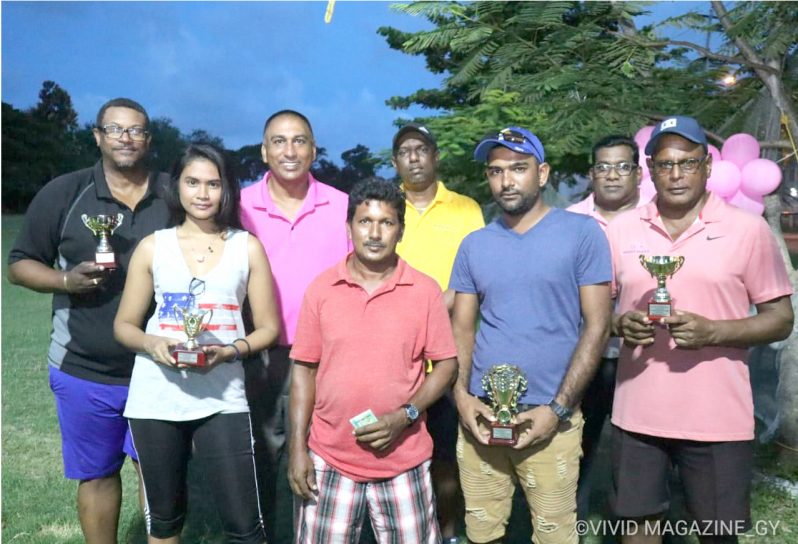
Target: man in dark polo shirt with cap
column 89, row 370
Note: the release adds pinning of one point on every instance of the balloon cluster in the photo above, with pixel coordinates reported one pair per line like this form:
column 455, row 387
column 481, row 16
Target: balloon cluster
column 738, row 176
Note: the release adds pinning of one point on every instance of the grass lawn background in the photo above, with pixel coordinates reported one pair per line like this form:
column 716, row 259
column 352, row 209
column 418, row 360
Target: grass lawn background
column 38, row 504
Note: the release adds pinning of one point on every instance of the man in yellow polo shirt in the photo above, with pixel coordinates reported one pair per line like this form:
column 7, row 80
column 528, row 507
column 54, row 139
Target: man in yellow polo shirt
column 436, row 221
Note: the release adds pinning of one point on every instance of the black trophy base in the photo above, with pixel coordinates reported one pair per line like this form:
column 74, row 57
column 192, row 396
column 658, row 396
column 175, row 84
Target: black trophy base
column 188, row 357
column 108, row 260
column 658, row 310
column 503, row 435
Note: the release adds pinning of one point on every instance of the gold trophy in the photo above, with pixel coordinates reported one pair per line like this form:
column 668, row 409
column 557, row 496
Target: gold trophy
column 190, row 353
column 504, row 385
column 103, row 226
column 661, row 267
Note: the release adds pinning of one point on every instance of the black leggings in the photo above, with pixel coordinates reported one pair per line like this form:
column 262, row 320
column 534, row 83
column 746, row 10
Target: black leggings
column 223, row 447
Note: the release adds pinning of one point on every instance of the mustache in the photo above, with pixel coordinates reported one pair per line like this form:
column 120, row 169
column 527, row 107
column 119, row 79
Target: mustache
column 379, row 245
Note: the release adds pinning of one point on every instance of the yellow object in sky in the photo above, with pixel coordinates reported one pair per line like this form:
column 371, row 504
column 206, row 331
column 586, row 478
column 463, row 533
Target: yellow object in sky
column 328, row 14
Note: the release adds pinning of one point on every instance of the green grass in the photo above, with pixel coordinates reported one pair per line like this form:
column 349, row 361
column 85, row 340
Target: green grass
column 38, row 504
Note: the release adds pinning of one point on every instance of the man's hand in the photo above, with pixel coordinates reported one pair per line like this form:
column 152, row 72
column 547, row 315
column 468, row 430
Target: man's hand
column 469, row 408
column 689, row 330
column 160, row 349
column 380, row 435
column 301, row 474
column 543, row 423
column 636, row 328
column 84, row 278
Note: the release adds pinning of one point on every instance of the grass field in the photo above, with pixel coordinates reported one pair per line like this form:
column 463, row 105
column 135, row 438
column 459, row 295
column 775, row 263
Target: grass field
column 38, row 504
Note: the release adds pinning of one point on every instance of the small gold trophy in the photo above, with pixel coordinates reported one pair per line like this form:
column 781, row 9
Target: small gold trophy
column 661, row 267
column 193, row 321
column 103, row 226
column 503, row 385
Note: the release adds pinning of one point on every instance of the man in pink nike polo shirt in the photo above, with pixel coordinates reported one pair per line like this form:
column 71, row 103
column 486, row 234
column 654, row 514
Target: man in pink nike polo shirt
column 683, row 395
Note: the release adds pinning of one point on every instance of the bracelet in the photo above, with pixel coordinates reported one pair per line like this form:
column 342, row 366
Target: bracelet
column 238, row 353
column 65, row 281
column 249, row 348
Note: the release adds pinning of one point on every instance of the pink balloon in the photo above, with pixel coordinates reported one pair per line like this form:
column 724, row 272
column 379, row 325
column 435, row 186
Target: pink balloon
column 641, row 138
column 725, row 179
column 647, row 190
column 740, row 149
column 743, row 202
column 760, row 177
column 715, row 152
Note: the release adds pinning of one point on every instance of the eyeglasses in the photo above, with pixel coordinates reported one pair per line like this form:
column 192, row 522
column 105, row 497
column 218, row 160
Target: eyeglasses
column 114, row 132
column 602, row 169
column 421, row 151
column 511, row 136
column 196, row 287
column 688, row 166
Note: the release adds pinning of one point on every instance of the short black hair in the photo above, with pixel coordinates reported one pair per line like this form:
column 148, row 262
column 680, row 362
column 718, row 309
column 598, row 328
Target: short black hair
column 228, row 215
column 292, row 113
column 373, row 188
column 613, row 141
column 122, row 103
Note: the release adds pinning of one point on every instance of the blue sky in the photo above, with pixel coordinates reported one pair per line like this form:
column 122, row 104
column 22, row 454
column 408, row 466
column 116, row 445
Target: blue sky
column 223, row 66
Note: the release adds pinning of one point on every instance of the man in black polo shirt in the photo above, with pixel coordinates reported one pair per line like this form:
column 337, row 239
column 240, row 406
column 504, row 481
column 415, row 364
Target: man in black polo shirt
column 89, row 370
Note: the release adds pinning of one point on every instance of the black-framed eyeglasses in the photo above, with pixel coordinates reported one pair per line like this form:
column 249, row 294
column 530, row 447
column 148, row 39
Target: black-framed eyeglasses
column 196, row 288
column 688, row 166
column 512, row 136
column 604, row 168
column 421, row 151
column 115, row 132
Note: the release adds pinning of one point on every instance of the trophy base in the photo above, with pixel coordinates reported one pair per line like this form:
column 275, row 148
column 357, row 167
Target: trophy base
column 188, row 357
column 658, row 310
column 503, row 435
column 108, row 260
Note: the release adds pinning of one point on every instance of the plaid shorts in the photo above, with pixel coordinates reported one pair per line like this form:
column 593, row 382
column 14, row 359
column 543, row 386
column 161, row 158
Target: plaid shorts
column 401, row 509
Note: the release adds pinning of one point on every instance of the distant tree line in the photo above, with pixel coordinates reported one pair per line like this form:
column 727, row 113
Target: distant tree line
column 45, row 141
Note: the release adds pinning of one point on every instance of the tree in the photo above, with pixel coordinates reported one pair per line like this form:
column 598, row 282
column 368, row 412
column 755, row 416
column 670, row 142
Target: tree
column 576, row 71
column 55, row 107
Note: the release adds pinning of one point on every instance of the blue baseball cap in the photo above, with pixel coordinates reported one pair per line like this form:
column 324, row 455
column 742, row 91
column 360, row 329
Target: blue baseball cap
column 514, row 138
column 686, row 127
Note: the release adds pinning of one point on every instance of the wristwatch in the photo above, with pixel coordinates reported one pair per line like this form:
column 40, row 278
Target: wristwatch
column 562, row 413
column 412, row 413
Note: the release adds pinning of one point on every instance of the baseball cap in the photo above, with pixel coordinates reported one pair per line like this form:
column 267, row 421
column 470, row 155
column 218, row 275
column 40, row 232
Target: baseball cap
column 423, row 131
column 515, row 138
column 686, row 127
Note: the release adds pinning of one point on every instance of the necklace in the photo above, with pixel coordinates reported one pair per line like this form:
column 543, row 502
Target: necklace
column 201, row 256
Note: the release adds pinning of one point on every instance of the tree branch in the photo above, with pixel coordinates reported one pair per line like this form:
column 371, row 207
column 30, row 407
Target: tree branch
column 741, row 60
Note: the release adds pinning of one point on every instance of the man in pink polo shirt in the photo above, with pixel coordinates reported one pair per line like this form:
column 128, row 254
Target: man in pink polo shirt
column 615, row 178
column 301, row 223
column 683, row 395
column 366, row 328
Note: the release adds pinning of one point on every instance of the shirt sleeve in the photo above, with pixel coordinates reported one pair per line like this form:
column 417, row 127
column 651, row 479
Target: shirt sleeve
column 307, row 341
column 593, row 262
column 40, row 235
column 461, row 280
column 440, row 339
column 765, row 275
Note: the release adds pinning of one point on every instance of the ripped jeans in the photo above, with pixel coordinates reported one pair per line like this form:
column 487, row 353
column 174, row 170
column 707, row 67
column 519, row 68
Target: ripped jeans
column 547, row 473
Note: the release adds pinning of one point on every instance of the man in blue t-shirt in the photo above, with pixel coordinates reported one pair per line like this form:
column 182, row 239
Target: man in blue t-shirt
column 538, row 278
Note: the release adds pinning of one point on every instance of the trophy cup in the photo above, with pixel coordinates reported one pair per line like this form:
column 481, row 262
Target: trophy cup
column 660, row 267
column 190, row 353
column 103, row 226
column 504, row 384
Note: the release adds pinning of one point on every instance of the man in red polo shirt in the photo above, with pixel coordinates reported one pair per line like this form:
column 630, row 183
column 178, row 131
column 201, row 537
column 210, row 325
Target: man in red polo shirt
column 365, row 330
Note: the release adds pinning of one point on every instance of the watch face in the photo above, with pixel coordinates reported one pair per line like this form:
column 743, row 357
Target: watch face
column 412, row 412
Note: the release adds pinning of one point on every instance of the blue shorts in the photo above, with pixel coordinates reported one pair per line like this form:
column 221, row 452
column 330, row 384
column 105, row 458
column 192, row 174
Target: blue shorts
column 94, row 435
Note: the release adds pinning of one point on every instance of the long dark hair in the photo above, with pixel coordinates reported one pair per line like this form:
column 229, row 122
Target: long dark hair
column 228, row 216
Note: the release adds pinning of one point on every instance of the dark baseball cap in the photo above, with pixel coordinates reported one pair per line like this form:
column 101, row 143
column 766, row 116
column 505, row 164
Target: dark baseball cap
column 418, row 128
column 686, row 127
column 515, row 138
